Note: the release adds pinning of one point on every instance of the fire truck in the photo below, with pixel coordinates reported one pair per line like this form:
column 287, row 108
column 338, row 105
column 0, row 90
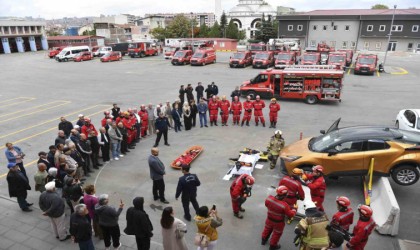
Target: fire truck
column 366, row 64
column 323, row 49
column 142, row 49
column 310, row 58
column 311, row 83
column 284, row 59
column 257, row 47
column 264, row 59
column 338, row 59
column 284, row 44
column 240, row 59
column 349, row 56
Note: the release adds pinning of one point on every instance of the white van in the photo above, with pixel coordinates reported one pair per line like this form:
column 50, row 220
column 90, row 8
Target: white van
column 69, row 52
column 102, row 51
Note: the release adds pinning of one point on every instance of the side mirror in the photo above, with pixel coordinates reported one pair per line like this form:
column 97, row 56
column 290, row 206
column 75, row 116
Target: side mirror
column 251, row 80
column 332, row 152
column 322, row 132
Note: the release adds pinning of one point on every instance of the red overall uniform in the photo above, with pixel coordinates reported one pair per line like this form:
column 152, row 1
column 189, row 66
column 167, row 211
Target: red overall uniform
column 133, row 121
column 277, row 210
column 274, row 110
column 258, row 106
column 103, row 121
column 86, row 129
column 144, row 116
column 248, row 106
column 128, row 125
column 317, row 187
column 224, row 108
column 236, row 108
column 295, row 190
column 213, row 109
column 237, row 191
column 119, row 119
column 343, row 219
column 361, row 233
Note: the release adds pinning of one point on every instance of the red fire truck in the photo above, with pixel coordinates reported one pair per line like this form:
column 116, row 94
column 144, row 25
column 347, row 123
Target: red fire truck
column 284, row 59
column 55, row 50
column 142, row 49
column 257, row 47
column 240, row 59
column 263, row 59
column 366, row 63
column 312, row 83
column 349, row 56
column 338, row 59
column 310, row 58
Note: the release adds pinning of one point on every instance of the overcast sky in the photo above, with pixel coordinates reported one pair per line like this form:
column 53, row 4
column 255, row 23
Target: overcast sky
column 50, row 9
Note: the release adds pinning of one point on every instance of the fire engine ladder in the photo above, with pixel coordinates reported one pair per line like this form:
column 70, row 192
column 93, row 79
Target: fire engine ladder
column 310, row 67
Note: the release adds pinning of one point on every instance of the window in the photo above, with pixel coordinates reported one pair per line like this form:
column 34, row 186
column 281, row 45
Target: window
column 369, row 28
column 366, row 46
column 382, row 27
column 377, row 145
column 415, row 28
column 378, row 45
column 397, row 28
column 347, row 28
column 313, row 43
column 315, row 27
column 335, row 27
column 410, row 46
column 300, row 27
column 344, row 46
column 324, row 27
column 289, row 27
column 349, row 147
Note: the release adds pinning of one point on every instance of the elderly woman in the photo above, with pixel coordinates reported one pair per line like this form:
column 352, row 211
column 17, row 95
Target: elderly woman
column 15, row 155
column 186, row 113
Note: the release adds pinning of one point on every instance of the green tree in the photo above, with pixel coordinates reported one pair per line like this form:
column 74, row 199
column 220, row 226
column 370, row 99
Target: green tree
column 180, row 27
column 241, row 35
column 223, row 24
column 232, row 31
column 204, row 31
column 265, row 30
column 215, row 31
column 89, row 33
column 160, row 33
column 379, row 6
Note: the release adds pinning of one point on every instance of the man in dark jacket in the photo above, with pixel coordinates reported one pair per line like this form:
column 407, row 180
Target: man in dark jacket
column 214, row 90
column 61, row 138
column 189, row 91
column 234, row 93
column 108, row 221
column 187, row 185
column 182, row 94
column 104, row 141
column 18, row 185
column 80, row 228
column 157, row 171
column 94, row 143
column 85, row 150
column 44, row 159
column 115, row 111
column 139, row 224
column 53, row 206
column 162, row 125
column 66, row 126
column 200, row 91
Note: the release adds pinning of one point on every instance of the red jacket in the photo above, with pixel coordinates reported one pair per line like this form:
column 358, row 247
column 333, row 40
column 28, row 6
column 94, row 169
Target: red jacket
column 343, row 219
column 258, row 105
column 277, row 209
column 361, row 232
column 238, row 187
column 294, row 186
column 248, row 105
column 274, row 107
column 213, row 105
column 144, row 116
column 236, row 106
column 317, row 186
column 86, row 129
column 224, row 106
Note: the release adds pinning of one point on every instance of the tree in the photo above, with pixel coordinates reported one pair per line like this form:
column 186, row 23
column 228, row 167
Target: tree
column 265, row 30
column 223, row 24
column 379, row 6
column 215, row 30
column 232, row 31
column 180, row 27
column 204, row 31
column 160, row 33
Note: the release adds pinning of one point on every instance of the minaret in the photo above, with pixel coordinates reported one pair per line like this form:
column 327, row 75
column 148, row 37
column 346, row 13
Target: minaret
column 217, row 9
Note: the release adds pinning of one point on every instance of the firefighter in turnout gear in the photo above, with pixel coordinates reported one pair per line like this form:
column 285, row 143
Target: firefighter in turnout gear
column 316, row 183
column 363, row 228
column 311, row 231
column 276, row 144
column 239, row 191
column 247, row 111
column 236, row 108
column 294, row 186
column 274, row 108
column 277, row 212
column 258, row 105
column 344, row 217
column 224, row 106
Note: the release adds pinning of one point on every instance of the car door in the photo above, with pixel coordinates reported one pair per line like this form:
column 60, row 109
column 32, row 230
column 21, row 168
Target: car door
column 383, row 154
column 345, row 158
column 409, row 119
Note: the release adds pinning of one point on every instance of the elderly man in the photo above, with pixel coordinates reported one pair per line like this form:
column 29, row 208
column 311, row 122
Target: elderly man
column 52, row 206
column 40, row 177
column 43, row 158
column 108, row 221
column 150, row 116
column 104, row 142
column 115, row 137
column 65, row 126
column 85, row 150
column 157, row 171
column 80, row 228
column 18, row 186
column 61, row 138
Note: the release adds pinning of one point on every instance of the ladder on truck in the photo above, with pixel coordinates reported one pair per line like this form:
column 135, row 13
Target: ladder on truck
column 310, row 67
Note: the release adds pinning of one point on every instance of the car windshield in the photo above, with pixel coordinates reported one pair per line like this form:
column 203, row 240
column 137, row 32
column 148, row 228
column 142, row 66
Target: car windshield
column 261, row 56
column 179, row 54
column 365, row 60
column 256, row 47
column 309, row 57
column 336, row 59
column 62, row 52
column 238, row 56
column 198, row 55
column 79, row 54
column 283, row 57
column 320, row 143
column 132, row 46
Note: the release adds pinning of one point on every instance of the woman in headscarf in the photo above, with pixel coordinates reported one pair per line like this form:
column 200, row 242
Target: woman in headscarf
column 186, row 112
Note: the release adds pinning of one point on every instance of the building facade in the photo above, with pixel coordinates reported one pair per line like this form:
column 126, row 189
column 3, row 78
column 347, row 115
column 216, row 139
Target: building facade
column 57, row 41
column 201, row 18
column 19, row 36
column 365, row 30
column 147, row 24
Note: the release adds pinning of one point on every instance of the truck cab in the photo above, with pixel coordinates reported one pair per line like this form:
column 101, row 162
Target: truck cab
column 349, row 56
column 366, row 64
column 142, row 49
column 263, row 59
column 240, row 59
column 55, row 50
column 310, row 58
column 203, row 57
column 181, row 57
column 284, row 59
column 257, row 47
column 338, row 59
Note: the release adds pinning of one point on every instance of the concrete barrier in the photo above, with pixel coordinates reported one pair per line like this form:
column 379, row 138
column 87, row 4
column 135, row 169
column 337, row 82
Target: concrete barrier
column 386, row 211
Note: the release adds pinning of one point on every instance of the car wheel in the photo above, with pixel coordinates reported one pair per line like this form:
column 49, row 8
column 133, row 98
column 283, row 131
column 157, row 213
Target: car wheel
column 65, row 59
column 230, row 65
column 203, row 64
column 397, row 124
column 311, row 99
column 142, row 55
column 252, row 94
column 405, row 175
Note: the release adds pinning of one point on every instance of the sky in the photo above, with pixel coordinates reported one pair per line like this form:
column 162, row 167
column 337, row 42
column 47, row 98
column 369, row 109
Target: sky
column 53, row 9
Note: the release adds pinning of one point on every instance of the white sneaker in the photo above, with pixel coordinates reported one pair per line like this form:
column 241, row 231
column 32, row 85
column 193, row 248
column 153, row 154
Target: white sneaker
column 116, row 158
column 121, row 156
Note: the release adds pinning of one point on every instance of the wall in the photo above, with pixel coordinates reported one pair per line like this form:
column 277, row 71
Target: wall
column 330, row 36
column 402, row 44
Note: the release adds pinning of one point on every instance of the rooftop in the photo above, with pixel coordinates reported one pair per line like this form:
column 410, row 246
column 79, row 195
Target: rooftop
column 345, row 12
column 50, row 38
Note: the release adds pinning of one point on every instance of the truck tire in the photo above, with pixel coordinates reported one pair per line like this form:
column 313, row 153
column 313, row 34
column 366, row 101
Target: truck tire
column 156, row 53
column 405, row 174
column 252, row 94
column 66, row 59
column 132, row 56
column 142, row 55
column 311, row 99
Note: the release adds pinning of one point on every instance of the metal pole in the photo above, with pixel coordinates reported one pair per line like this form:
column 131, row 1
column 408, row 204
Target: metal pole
column 389, row 36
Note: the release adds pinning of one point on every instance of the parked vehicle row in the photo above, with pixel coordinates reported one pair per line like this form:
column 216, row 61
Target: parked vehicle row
column 201, row 57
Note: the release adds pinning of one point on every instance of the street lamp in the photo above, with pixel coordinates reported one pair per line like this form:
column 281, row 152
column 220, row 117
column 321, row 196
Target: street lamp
column 389, row 36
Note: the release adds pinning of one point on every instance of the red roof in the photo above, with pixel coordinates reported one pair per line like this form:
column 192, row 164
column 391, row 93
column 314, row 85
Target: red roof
column 52, row 38
column 348, row 12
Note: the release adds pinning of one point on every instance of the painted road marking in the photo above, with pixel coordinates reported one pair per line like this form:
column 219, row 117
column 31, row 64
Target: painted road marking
column 16, row 117
column 34, row 107
column 16, row 103
column 402, row 72
column 13, row 99
column 377, row 73
column 348, row 71
column 55, row 119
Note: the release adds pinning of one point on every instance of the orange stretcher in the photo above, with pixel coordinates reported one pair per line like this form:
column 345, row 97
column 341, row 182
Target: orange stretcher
column 187, row 157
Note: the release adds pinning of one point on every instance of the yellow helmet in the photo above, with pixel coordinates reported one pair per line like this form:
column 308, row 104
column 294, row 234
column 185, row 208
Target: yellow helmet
column 297, row 171
column 273, row 99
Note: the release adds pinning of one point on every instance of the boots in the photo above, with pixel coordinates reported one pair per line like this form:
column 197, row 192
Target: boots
column 256, row 124
column 274, row 247
column 263, row 124
column 271, row 125
column 247, row 123
column 211, row 123
column 263, row 241
column 238, row 215
column 242, row 124
column 274, row 124
column 215, row 123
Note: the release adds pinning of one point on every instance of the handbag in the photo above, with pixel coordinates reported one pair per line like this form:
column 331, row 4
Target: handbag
column 202, row 240
column 179, row 232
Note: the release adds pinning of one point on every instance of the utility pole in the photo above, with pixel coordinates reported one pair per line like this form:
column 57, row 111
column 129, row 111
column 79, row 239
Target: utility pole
column 389, row 36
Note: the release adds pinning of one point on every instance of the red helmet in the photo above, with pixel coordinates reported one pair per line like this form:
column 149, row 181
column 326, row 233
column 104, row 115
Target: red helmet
column 249, row 180
column 106, row 113
column 282, row 190
column 87, row 119
column 365, row 210
column 318, row 168
column 343, row 201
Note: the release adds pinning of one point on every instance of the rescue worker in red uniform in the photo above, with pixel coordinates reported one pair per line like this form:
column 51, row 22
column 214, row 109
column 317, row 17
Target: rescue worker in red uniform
column 363, row 228
column 239, row 191
column 88, row 127
column 258, row 105
column 236, row 108
column 213, row 110
column 248, row 106
column 144, row 116
column 224, row 110
column 344, row 217
column 127, row 122
column 316, row 183
column 274, row 110
column 294, row 186
column 133, row 121
column 107, row 116
column 278, row 209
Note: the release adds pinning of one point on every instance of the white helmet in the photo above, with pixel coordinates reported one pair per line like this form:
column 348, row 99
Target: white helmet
column 308, row 204
column 278, row 132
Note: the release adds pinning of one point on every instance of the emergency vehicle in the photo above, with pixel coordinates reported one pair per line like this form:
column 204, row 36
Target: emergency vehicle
column 122, row 47
column 240, row 59
column 182, row 57
column 365, row 63
column 83, row 56
column 338, row 59
column 284, row 44
column 112, row 56
column 102, row 51
column 349, row 56
column 55, row 50
column 256, row 47
column 310, row 58
column 142, row 49
column 284, row 59
column 311, row 83
column 263, row 59
column 203, row 57
column 69, row 53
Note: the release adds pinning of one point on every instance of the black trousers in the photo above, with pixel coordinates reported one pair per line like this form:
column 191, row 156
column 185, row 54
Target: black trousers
column 143, row 243
column 159, row 135
column 124, row 145
column 194, row 119
column 111, row 232
column 105, row 152
column 186, row 204
column 159, row 189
